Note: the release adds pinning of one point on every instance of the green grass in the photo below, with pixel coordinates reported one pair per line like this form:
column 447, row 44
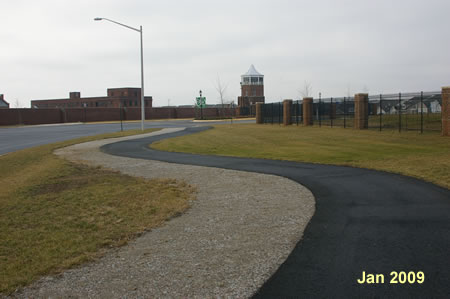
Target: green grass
column 431, row 121
column 424, row 156
column 55, row 214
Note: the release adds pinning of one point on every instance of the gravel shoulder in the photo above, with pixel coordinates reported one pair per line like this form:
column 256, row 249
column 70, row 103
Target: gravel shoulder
column 238, row 231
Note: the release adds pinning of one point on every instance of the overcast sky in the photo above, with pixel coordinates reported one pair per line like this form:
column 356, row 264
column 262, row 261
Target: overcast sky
column 49, row 47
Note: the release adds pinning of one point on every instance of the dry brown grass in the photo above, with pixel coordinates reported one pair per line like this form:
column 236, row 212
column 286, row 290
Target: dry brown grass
column 55, row 214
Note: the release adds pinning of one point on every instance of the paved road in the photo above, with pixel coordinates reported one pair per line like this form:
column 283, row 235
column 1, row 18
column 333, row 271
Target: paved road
column 17, row 138
column 365, row 221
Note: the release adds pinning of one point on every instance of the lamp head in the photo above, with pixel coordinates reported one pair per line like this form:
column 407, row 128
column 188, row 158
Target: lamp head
column 98, row 19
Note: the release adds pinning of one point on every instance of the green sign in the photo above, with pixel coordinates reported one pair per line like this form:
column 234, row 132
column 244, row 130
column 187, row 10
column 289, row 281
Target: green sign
column 200, row 102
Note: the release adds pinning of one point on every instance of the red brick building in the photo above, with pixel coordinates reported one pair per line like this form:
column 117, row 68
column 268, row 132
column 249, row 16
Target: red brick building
column 252, row 88
column 3, row 103
column 116, row 97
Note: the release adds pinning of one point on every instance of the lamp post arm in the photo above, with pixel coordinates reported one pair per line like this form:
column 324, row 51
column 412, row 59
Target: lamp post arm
column 142, row 65
column 129, row 27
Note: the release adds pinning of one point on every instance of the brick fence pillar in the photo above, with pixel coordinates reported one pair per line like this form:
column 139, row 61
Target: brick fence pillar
column 287, row 108
column 445, row 111
column 361, row 111
column 259, row 116
column 307, row 111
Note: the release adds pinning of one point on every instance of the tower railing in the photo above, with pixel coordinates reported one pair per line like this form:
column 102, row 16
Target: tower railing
column 252, row 83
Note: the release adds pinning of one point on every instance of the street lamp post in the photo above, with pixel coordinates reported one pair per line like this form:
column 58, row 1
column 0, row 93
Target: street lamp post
column 319, row 110
column 201, row 105
column 142, row 65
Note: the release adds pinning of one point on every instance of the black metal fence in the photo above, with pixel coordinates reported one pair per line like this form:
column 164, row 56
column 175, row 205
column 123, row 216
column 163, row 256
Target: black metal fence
column 247, row 111
column 334, row 112
column 272, row 113
column 406, row 111
column 297, row 112
column 419, row 111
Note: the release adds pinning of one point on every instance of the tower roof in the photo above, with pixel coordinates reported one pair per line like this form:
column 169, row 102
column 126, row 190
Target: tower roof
column 252, row 72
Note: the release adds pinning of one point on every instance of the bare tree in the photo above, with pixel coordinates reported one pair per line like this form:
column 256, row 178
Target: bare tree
column 17, row 103
column 365, row 89
column 349, row 91
column 306, row 90
column 221, row 89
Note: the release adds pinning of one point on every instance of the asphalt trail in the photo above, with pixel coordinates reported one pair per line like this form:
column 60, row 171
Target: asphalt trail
column 365, row 221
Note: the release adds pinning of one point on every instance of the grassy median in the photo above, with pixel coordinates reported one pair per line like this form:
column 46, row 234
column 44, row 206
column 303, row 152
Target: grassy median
column 55, row 214
column 424, row 156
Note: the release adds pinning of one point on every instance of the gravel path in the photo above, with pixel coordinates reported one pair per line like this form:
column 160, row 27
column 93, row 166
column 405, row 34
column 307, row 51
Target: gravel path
column 233, row 238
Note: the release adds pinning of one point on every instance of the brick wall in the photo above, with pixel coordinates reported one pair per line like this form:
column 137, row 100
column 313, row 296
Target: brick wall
column 29, row 116
column 185, row 113
column 53, row 115
column 157, row 113
column 75, row 115
column 252, row 90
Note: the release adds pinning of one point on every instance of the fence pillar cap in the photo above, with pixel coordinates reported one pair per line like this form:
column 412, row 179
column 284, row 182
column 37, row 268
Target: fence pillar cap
column 446, row 88
column 307, row 98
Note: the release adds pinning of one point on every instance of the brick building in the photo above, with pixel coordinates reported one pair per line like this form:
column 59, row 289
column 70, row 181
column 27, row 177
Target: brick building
column 3, row 103
column 252, row 88
column 116, row 97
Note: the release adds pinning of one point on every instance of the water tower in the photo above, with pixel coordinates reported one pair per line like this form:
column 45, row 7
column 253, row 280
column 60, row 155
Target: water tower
column 252, row 88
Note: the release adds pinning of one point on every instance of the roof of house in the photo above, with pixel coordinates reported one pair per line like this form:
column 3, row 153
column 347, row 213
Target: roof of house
column 252, row 72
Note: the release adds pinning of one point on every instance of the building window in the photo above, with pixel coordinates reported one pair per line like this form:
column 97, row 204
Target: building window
column 135, row 103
